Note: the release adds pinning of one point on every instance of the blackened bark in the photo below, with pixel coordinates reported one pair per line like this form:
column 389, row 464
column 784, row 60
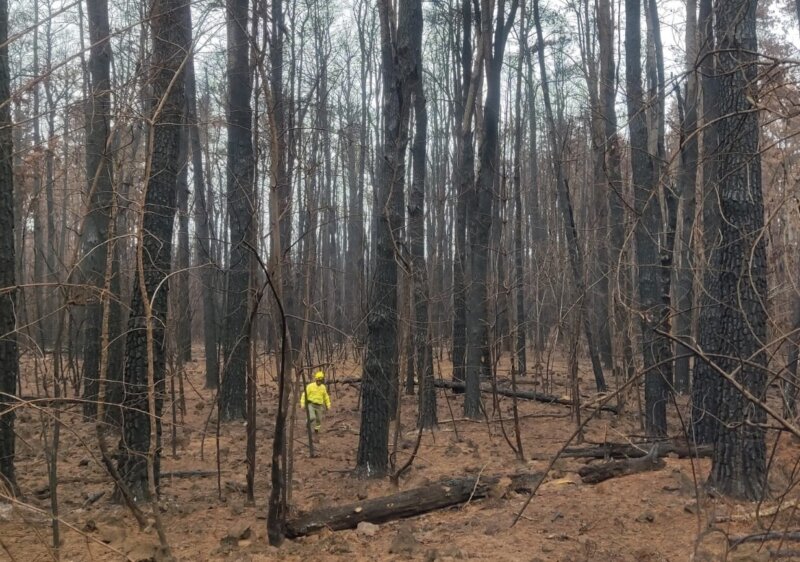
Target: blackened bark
column 9, row 359
column 687, row 178
column 115, row 389
column 655, row 348
column 282, row 147
column 666, row 239
column 463, row 176
column 203, row 236
column 38, row 211
column 789, row 388
column 241, row 211
column 537, row 229
column 739, row 464
column 479, row 213
column 706, row 383
column 616, row 201
column 519, row 246
column 170, row 47
column 183, row 320
column 380, row 362
column 94, row 243
column 423, row 354
column 600, row 318
column 408, row 503
column 354, row 278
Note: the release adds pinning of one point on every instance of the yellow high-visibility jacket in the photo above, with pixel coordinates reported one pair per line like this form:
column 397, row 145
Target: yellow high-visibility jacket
column 317, row 394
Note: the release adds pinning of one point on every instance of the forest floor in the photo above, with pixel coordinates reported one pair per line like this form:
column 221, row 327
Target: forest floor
column 651, row 516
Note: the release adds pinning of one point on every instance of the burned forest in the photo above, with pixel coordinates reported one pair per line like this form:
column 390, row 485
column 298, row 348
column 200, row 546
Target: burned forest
column 399, row 280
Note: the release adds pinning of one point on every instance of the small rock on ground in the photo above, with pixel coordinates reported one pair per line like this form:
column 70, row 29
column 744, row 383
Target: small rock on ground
column 367, row 529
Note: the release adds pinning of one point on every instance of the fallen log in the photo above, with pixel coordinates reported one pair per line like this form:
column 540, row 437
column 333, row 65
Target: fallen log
column 503, row 391
column 594, row 474
column 765, row 536
column 521, row 394
column 408, row 503
column 188, row 474
column 638, row 450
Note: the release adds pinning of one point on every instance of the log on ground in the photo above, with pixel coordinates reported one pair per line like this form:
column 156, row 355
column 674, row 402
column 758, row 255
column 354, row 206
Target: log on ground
column 594, row 474
column 521, row 394
column 637, row 450
column 408, row 503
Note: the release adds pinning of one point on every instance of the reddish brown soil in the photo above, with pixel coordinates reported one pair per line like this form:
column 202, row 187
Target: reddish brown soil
column 645, row 517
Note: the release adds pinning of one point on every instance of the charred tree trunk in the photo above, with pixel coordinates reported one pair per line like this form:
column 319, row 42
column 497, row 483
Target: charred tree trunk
column 407, row 503
column 687, row 179
column 655, row 347
column 423, row 353
column 94, row 243
column 241, row 211
column 739, row 465
column 666, row 238
column 616, row 201
column 479, row 214
column 183, row 318
column 170, row 47
column 706, row 384
column 520, row 339
column 463, row 176
column 8, row 337
column 380, row 363
column 598, row 211
column 202, row 220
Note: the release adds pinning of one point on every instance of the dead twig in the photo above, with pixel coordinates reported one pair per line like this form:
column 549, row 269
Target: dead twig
column 475, row 487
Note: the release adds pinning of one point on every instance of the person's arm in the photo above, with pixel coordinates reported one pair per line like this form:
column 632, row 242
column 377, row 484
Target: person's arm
column 326, row 398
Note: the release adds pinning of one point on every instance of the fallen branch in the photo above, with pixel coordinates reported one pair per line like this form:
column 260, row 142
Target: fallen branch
column 637, row 450
column 594, row 474
column 92, row 498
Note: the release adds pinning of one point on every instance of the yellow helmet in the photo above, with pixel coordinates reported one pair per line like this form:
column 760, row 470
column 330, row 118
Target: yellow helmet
column 319, row 376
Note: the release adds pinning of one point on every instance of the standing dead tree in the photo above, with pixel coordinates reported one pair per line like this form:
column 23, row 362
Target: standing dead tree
column 241, row 211
column 9, row 361
column 739, row 467
column 655, row 348
column 139, row 455
column 423, row 352
column 492, row 46
column 380, row 360
column 94, row 237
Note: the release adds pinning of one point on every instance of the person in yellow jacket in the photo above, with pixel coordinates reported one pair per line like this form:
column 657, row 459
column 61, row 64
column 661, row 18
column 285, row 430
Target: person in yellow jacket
column 317, row 399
